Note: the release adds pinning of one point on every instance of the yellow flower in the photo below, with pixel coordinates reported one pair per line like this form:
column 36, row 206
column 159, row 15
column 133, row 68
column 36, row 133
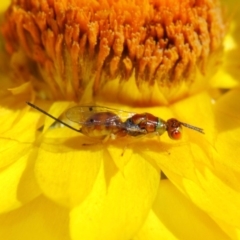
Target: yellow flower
column 140, row 56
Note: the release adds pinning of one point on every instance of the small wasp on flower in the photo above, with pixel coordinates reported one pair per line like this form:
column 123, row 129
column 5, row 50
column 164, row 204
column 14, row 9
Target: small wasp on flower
column 108, row 123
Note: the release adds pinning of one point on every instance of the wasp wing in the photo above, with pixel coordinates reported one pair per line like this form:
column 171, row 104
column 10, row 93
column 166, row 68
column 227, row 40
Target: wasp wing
column 81, row 114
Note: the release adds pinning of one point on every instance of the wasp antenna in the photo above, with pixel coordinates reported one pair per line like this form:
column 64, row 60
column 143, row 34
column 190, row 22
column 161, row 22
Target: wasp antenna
column 51, row 116
column 193, row 127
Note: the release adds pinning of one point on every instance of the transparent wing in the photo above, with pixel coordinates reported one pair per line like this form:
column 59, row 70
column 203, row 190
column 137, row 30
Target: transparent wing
column 80, row 114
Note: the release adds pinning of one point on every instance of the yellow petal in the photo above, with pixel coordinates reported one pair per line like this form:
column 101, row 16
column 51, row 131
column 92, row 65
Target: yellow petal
column 4, row 4
column 17, row 183
column 213, row 195
column 15, row 120
column 227, row 117
column 121, row 212
column 65, row 170
column 56, row 109
column 154, row 229
column 21, row 129
column 224, row 79
column 38, row 220
column 11, row 151
column 179, row 218
column 206, row 167
column 228, row 75
column 180, row 157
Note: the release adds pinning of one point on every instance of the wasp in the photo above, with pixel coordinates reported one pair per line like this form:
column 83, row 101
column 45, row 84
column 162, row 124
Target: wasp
column 108, row 123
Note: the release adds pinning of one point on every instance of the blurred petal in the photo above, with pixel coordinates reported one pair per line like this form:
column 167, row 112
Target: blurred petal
column 56, row 109
column 181, row 217
column 213, row 195
column 121, row 212
column 18, row 126
column 38, row 220
column 206, row 168
column 228, row 75
column 66, row 175
column 3, row 5
column 11, row 151
column 17, row 182
column 227, row 117
column 15, row 119
column 180, row 157
column 218, row 185
column 154, row 228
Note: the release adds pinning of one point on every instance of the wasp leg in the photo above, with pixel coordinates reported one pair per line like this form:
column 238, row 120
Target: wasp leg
column 107, row 137
column 96, row 142
column 89, row 144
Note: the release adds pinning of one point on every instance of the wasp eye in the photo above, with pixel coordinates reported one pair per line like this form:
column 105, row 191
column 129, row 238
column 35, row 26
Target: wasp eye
column 175, row 134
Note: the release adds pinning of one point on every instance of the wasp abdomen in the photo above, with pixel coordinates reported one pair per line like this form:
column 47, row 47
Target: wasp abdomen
column 102, row 124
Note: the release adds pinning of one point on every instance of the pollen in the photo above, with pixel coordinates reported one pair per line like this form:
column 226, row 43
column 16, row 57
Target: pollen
column 79, row 45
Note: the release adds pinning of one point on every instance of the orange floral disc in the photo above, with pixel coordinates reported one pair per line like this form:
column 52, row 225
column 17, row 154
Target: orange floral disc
column 151, row 52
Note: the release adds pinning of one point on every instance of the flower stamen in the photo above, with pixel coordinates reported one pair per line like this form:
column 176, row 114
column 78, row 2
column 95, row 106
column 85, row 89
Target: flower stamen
column 163, row 44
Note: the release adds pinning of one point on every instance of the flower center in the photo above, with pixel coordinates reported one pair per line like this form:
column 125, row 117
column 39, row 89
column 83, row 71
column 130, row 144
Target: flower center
column 145, row 51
